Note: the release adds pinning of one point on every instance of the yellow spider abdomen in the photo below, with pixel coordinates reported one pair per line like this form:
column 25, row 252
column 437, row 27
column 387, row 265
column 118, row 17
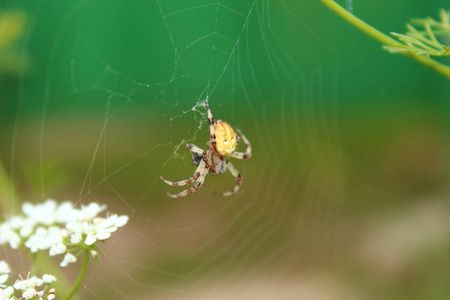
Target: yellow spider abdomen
column 226, row 140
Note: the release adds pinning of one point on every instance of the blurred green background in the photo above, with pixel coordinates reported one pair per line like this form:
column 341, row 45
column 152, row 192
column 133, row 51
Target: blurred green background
column 347, row 193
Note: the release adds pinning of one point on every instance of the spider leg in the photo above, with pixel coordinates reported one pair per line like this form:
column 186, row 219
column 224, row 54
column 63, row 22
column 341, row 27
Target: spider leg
column 197, row 153
column 190, row 180
column 198, row 183
column 211, row 122
column 195, row 149
column 242, row 155
column 238, row 177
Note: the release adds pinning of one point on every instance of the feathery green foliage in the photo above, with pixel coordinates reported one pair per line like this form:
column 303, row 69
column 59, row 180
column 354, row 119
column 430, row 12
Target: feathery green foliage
column 427, row 38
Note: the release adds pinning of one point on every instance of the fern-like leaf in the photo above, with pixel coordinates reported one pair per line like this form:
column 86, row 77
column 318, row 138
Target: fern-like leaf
column 429, row 37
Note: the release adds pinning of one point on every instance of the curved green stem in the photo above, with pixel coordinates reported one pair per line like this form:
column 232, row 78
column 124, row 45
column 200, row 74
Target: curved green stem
column 385, row 39
column 80, row 276
column 44, row 264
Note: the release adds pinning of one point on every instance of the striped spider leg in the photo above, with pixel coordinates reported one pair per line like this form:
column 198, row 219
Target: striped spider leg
column 238, row 177
column 198, row 178
column 212, row 133
column 232, row 169
column 242, row 155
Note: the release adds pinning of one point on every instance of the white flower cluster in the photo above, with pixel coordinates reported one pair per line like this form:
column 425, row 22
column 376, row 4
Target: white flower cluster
column 28, row 287
column 55, row 227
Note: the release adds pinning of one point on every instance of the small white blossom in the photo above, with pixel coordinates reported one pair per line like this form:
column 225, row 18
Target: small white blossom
column 66, row 213
column 42, row 213
column 56, row 235
column 4, row 270
column 76, row 238
column 56, row 249
column 68, row 259
column 4, row 267
column 36, row 241
column 20, row 285
column 24, row 226
column 6, row 294
column 51, row 297
column 91, row 211
column 17, row 222
column 3, row 278
column 50, row 226
column 8, row 235
column 45, row 238
column 48, row 278
column 26, row 230
column 29, row 293
column 101, row 229
column 35, row 281
column 75, row 227
column 119, row 221
column 27, row 286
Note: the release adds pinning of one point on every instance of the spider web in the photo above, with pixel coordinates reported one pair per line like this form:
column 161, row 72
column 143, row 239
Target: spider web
column 115, row 91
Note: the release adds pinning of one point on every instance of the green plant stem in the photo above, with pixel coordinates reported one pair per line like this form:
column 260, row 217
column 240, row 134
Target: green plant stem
column 34, row 264
column 80, row 276
column 7, row 201
column 383, row 38
column 44, row 265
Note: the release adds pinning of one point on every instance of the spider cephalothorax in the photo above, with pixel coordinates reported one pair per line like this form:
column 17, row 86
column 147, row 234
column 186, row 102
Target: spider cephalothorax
column 222, row 144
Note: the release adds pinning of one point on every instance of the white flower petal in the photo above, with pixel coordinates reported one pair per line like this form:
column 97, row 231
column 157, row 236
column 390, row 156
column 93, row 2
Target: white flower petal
column 91, row 211
column 28, row 208
column 29, row 293
column 66, row 213
column 48, row 278
column 75, row 238
column 68, row 259
column 4, row 267
column 3, row 278
column 75, row 227
column 7, row 235
column 26, row 230
column 56, row 249
column 42, row 213
column 103, row 235
column 121, row 221
column 16, row 222
column 8, row 292
column 90, row 239
column 35, row 281
column 20, row 285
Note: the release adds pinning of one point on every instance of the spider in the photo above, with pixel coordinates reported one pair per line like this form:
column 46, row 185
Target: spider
column 222, row 144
